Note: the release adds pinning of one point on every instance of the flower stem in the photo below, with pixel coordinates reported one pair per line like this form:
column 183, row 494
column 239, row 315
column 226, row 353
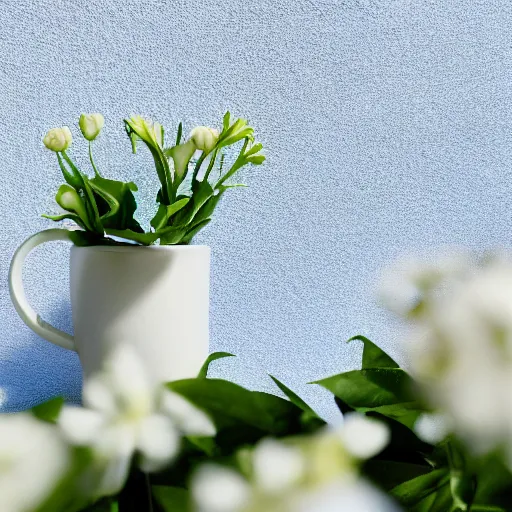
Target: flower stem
column 212, row 162
column 148, row 490
column 136, row 494
column 198, row 166
column 96, row 172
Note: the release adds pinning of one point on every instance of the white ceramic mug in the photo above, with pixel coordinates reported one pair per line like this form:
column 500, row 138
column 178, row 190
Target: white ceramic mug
column 155, row 299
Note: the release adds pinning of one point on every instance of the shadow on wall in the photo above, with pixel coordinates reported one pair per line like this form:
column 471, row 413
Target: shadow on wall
column 39, row 370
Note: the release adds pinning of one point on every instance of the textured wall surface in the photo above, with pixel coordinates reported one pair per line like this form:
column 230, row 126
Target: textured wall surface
column 387, row 126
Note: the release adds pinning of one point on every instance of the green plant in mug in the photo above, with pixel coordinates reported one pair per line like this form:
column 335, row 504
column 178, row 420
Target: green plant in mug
column 103, row 207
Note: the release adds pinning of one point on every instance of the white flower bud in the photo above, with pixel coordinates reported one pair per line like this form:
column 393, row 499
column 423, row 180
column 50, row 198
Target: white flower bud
column 58, row 139
column 91, row 125
column 204, row 138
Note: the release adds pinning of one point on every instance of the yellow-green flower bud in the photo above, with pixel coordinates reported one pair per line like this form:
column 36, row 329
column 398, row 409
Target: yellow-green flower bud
column 91, row 125
column 68, row 198
column 58, row 139
column 204, row 138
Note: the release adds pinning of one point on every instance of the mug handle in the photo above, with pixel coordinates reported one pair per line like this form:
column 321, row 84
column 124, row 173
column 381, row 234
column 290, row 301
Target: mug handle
column 17, row 291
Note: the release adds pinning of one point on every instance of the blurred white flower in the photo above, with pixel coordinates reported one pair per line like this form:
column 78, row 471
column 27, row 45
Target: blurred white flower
column 432, row 427
column 91, row 125
column 58, row 139
column 126, row 414
column 344, row 496
column 33, row 458
column 277, row 466
column 309, row 474
column 219, row 489
column 460, row 348
column 363, row 437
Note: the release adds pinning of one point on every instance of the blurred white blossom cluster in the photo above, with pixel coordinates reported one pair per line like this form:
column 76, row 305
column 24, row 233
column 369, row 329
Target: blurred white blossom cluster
column 124, row 415
column 126, row 419
column 313, row 474
column 459, row 309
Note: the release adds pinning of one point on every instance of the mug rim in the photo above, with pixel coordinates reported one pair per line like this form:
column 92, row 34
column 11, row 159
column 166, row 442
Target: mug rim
column 134, row 247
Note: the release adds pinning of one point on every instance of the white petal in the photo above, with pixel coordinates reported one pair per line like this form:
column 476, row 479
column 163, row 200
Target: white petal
column 363, row 437
column 129, row 380
column 432, row 428
column 98, row 395
column 33, row 458
column 114, row 475
column 80, row 426
column 158, row 442
column 218, row 489
column 277, row 466
column 343, row 495
column 116, row 440
column 187, row 417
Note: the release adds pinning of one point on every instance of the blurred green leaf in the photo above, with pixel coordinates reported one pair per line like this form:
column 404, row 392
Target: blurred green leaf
column 69, row 495
column 426, row 493
column 172, row 499
column 388, row 474
column 203, row 372
column 373, row 356
column 49, row 411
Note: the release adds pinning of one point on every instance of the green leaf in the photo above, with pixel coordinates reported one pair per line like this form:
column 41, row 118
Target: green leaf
column 177, row 206
column 71, row 216
column 388, row 474
column 201, row 192
column 192, row 232
column 92, row 207
column 205, row 444
column 179, row 134
column 384, row 390
column 293, row 397
column 160, row 218
column 225, row 121
column 309, row 416
column 171, row 235
column 147, row 132
column 203, row 372
column 426, row 493
column 118, row 206
column 128, row 234
column 230, row 405
column 256, row 159
column 164, row 212
column 49, row 411
column 373, row 356
column 73, row 176
column 206, row 210
column 104, row 505
column 172, row 499
column 69, row 494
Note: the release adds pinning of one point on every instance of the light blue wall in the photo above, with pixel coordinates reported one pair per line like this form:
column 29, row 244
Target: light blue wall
column 387, row 123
